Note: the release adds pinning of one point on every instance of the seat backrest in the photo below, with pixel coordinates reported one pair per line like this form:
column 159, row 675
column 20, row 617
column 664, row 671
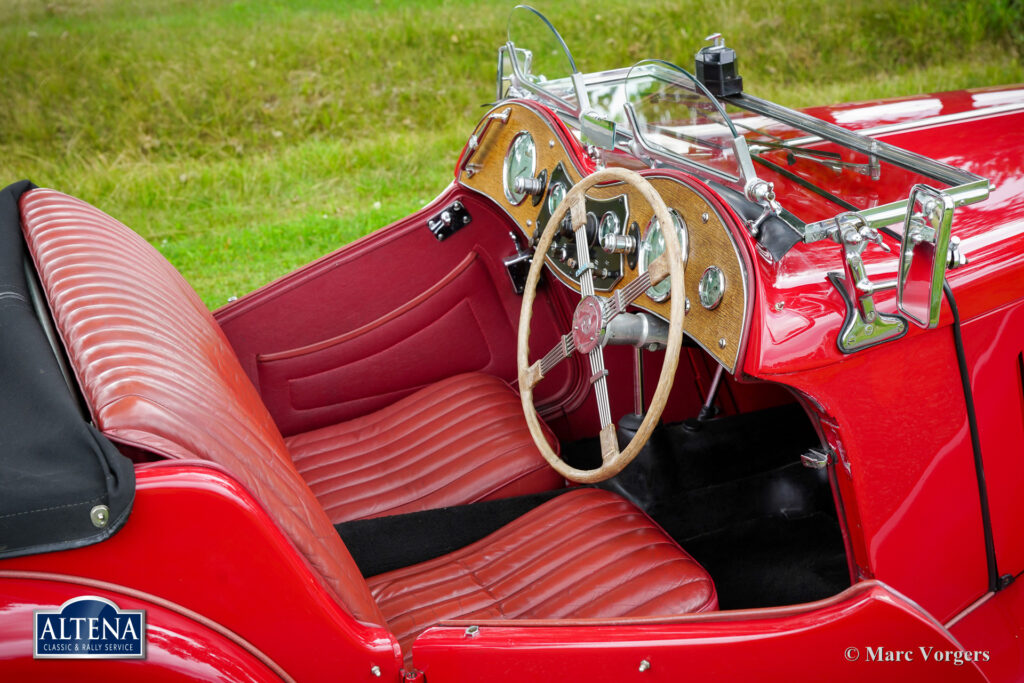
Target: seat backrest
column 158, row 372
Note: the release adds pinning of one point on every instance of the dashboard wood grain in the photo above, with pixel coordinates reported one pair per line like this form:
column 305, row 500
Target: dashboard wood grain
column 710, row 241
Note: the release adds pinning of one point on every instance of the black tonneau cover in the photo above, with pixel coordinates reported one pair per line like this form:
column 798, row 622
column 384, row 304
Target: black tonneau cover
column 55, row 468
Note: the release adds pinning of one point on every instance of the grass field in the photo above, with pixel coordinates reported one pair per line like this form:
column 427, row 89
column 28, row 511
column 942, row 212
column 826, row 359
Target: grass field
column 246, row 138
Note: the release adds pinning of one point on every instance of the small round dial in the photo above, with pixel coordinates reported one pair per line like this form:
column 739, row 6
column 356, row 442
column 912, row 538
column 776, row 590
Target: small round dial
column 610, row 225
column 555, row 196
column 653, row 246
column 520, row 162
column 711, row 288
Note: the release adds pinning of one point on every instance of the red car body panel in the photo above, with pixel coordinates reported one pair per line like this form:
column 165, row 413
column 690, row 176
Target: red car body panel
column 177, row 647
column 830, row 639
column 197, row 539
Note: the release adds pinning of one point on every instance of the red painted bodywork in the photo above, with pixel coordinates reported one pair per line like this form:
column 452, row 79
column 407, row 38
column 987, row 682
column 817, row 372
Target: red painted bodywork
column 894, row 415
column 763, row 645
column 197, row 539
column 177, row 647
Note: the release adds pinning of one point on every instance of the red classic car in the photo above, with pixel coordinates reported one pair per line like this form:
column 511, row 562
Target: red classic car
column 530, row 432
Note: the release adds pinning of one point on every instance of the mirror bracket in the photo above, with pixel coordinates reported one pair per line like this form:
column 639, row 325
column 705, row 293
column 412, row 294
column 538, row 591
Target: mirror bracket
column 864, row 326
column 927, row 241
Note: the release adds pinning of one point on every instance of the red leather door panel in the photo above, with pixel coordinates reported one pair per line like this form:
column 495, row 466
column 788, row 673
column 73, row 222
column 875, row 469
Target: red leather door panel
column 374, row 321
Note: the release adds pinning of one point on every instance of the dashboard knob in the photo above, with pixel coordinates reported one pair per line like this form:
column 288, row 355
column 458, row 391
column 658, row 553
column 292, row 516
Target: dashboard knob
column 530, row 186
column 619, row 244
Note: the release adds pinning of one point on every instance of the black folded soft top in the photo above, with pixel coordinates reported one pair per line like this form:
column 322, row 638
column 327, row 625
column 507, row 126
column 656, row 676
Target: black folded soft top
column 62, row 483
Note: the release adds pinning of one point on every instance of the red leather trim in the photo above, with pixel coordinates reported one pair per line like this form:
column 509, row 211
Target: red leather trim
column 459, row 318
column 365, row 281
column 703, row 616
column 379, row 322
column 458, row 441
column 586, row 554
column 158, row 373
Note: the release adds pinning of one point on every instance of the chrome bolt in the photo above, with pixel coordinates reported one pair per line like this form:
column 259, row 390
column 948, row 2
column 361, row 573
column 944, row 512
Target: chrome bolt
column 686, row 305
column 551, row 143
column 99, row 515
column 457, row 206
column 721, row 343
column 779, row 305
column 529, row 223
column 644, row 665
column 375, row 670
column 472, row 631
column 704, row 217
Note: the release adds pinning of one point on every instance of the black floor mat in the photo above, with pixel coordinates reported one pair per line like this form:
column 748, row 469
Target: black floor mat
column 735, row 495
column 773, row 561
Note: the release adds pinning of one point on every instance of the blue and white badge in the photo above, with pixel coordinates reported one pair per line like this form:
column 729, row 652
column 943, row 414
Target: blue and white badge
column 89, row 627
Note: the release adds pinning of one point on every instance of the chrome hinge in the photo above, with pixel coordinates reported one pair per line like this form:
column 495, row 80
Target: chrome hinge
column 518, row 265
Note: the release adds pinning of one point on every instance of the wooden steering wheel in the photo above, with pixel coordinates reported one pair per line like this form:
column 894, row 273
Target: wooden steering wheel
column 590, row 320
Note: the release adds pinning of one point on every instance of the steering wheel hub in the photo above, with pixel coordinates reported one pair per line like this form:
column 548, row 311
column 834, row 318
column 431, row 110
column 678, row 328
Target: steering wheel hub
column 587, row 324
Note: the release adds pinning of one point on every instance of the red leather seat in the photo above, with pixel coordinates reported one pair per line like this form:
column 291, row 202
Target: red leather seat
column 158, row 374
column 458, row 441
column 587, row 553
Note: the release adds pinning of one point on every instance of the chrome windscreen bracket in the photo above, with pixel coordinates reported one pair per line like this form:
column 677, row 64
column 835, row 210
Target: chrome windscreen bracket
column 864, row 325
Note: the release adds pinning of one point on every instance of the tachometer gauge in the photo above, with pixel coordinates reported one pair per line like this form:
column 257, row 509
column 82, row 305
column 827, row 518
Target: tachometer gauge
column 610, row 225
column 653, row 246
column 520, row 162
column 555, row 196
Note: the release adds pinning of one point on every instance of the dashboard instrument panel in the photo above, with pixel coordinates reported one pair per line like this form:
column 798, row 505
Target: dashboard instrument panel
column 529, row 179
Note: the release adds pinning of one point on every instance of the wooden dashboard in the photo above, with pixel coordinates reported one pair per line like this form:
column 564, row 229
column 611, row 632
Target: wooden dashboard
column 710, row 243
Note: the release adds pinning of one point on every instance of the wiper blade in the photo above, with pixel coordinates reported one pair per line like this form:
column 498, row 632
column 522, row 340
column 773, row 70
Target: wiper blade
column 831, row 160
column 806, row 184
column 797, row 151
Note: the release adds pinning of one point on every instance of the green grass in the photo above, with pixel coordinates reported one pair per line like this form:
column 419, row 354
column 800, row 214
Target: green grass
column 246, row 138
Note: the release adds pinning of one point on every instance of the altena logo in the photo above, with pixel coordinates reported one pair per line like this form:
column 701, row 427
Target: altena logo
column 89, row 627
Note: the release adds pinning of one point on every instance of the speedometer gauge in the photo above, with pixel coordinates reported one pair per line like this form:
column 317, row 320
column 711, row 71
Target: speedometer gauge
column 520, row 162
column 653, row 246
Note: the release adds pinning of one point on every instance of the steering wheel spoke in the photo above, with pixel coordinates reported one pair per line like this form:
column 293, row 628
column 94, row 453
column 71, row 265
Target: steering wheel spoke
column 559, row 352
column 599, row 378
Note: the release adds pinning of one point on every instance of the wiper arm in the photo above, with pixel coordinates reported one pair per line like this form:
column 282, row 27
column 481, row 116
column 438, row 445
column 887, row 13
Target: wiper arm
column 831, row 160
column 828, row 159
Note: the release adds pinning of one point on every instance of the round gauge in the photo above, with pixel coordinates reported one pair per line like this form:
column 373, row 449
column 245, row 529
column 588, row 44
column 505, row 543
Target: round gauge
column 610, row 225
column 520, row 162
column 711, row 288
column 555, row 196
column 653, row 246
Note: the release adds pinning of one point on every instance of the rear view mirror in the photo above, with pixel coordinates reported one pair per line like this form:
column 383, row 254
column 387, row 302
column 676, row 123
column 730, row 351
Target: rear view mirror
column 923, row 255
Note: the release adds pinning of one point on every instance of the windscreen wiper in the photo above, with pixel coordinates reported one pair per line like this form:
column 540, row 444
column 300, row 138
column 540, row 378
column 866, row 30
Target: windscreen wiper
column 828, row 159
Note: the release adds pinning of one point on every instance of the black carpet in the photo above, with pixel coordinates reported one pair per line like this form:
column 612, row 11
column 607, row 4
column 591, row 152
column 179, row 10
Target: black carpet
column 734, row 494
column 771, row 561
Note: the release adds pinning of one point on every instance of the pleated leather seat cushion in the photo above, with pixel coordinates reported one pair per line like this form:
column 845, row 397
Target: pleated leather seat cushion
column 586, row 553
column 461, row 440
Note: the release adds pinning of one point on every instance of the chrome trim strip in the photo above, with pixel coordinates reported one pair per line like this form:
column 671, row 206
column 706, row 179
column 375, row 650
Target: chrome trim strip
column 920, row 123
column 970, row 608
column 910, row 161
